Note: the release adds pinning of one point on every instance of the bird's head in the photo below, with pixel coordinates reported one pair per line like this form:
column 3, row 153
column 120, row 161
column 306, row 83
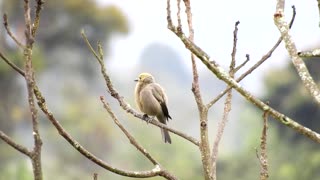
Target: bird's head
column 145, row 78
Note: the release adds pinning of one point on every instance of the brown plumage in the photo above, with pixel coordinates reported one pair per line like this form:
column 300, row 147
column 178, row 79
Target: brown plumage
column 152, row 100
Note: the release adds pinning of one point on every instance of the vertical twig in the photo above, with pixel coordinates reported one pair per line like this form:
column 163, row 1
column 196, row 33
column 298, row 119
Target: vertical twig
column 95, row 176
column 30, row 80
column 203, row 111
column 263, row 158
column 227, row 105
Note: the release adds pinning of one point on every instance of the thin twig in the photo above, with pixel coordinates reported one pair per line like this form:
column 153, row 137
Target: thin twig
column 125, row 106
column 6, row 26
column 15, row 145
column 236, row 69
column 255, row 66
column 179, row 15
column 227, row 104
column 36, row 21
column 11, row 64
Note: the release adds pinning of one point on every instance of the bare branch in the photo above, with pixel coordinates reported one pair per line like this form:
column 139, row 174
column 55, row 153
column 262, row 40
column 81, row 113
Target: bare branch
column 298, row 63
column 36, row 21
column 158, row 169
column 227, row 105
column 203, row 111
column 15, row 145
column 221, row 74
column 125, row 106
column 236, row 69
column 6, row 26
column 255, row 66
column 263, row 159
column 234, row 49
column 313, row 53
column 129, row 136
column 12, row 65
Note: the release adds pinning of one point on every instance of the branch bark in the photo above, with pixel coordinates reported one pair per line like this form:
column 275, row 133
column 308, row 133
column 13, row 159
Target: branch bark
column 298, row 63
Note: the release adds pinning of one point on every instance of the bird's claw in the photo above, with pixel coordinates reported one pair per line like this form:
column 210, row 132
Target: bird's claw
column 147, row 118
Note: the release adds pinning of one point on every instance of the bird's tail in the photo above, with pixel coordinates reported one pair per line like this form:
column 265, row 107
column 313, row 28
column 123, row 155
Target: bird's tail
column 165, row 136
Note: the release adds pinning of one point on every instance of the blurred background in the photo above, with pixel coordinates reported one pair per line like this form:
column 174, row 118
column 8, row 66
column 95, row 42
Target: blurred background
column 136, row 39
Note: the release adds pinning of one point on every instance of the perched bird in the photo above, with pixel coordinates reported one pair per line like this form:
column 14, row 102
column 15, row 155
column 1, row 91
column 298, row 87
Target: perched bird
column 152, row 100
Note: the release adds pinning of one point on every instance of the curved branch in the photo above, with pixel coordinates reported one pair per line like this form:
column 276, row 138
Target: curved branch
column 129, row 136
column 161, row 172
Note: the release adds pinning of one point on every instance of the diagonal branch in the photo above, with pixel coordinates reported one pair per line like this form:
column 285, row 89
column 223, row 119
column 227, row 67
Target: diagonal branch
column 15, row 145
column 255, row 66
column 6, row 26
column 297, row 61
column 11, row 64
column 129, row 136
column 158, row 169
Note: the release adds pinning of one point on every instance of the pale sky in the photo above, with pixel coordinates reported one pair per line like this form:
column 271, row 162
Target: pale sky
column 214, row 25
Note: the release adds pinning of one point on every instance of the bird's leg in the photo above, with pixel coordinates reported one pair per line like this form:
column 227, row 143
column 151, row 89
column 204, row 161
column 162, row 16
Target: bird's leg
column 147, row 118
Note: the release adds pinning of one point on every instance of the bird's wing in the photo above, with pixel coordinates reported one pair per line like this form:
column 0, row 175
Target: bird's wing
column 158, row 93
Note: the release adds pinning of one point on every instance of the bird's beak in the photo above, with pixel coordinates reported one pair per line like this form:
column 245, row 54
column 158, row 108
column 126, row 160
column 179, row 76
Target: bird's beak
column 136, row 80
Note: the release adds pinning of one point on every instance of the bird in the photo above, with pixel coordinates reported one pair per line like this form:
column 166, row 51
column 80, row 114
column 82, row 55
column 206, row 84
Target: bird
column 152, row 100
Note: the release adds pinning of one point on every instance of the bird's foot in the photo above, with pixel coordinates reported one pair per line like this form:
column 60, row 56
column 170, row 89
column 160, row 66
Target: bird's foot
column 147, row 118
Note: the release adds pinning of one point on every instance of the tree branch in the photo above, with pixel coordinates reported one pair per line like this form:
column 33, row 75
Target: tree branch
column 255, row 66
column 158, row 169
column 203, row 111
column 15, row 145
column 222, row 75
column 263, row 158
column 30, row 81
column 9, row 32
column 36, row 21
column 298, row 63
column 313, row 53
column 227, row 105
column 11, row 64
